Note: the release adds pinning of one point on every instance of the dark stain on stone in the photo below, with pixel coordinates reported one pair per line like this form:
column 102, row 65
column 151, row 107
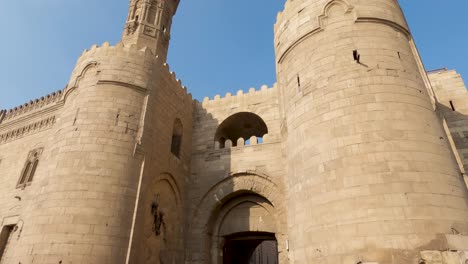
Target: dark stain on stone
column 159, row 225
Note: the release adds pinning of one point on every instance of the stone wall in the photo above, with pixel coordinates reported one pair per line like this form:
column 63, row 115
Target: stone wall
column 371, row 176
column 16, row 203
column 453, row 106
column 227, row 175
column 344, row 160
column 159, row 230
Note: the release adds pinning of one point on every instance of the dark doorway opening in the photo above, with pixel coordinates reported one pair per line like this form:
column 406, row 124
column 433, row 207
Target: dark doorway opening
column 250, row 248
column 5, row 236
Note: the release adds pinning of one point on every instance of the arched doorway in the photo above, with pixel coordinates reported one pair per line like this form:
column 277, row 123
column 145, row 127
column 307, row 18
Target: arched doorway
column 250, row 248
column 244, row 231
column 226, row 210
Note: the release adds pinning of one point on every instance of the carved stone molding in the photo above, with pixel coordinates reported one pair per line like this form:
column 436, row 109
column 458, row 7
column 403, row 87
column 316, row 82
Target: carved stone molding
column 27, row 130
column 150, row 31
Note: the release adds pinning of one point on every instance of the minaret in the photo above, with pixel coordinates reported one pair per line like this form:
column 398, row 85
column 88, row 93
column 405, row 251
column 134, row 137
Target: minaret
column 371, row 177
column 149, row 23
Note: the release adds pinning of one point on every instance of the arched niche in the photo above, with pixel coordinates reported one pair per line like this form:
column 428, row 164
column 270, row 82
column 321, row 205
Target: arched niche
column 243, row 125
column 159, row 232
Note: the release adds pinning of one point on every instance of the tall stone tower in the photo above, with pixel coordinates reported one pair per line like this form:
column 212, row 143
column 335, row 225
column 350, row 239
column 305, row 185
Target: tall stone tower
column 149, row 24
column 84, row 206
column 371, row 177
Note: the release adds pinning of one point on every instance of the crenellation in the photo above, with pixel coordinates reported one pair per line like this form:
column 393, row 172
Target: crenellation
column 31, row 106
column 240, row 95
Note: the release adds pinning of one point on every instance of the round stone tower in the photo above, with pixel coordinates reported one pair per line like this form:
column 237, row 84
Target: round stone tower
column 85, row 206
column 371, row 176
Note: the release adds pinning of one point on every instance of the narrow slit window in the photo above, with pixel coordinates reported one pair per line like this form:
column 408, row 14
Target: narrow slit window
column 176, row 143
column 452, row 105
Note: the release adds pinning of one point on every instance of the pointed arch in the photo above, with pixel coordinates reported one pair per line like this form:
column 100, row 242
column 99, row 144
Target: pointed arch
column 326, row 11
column 29, row 169
column 236, row 185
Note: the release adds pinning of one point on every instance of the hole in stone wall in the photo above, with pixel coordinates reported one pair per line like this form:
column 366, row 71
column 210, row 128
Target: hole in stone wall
column 452, row 105
column 298, row 82
column 356, row 56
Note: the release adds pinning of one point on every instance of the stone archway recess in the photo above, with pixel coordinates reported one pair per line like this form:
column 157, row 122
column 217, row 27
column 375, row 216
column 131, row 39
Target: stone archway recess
column 204, row 217
column 268, row 223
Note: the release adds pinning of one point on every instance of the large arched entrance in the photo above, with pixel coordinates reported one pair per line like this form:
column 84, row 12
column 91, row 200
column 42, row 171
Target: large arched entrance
column 250, row 248
column 244, row 231
column 242, row 213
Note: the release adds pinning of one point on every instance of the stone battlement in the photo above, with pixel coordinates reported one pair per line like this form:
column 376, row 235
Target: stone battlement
column 30, row 106
column 252, row 92
column 106, row 47
column 120, row 51
column 177, row 82
column 94, row 52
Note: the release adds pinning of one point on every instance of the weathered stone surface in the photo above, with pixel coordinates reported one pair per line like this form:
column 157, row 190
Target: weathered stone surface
column 354, row 156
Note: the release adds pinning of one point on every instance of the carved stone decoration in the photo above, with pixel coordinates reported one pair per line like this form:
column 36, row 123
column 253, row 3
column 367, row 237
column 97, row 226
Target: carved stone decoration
column 159, row 225
column 131, row 27
column 150, row 31
column 27, row 129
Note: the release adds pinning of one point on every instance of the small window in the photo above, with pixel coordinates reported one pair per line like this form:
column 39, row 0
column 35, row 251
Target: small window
column 30, row 167
column 176, row 143
column 5, row 237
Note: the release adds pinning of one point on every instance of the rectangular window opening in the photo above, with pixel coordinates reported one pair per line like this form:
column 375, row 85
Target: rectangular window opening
column 5, row 237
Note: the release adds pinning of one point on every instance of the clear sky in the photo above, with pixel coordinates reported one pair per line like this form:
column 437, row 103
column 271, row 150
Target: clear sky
column 217, row 46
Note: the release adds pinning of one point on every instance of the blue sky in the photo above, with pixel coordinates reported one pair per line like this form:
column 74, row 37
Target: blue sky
column 217, row 46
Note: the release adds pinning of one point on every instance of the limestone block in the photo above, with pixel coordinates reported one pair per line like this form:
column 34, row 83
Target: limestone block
column 451, row 257
column 458, row 242
column 432, row 257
